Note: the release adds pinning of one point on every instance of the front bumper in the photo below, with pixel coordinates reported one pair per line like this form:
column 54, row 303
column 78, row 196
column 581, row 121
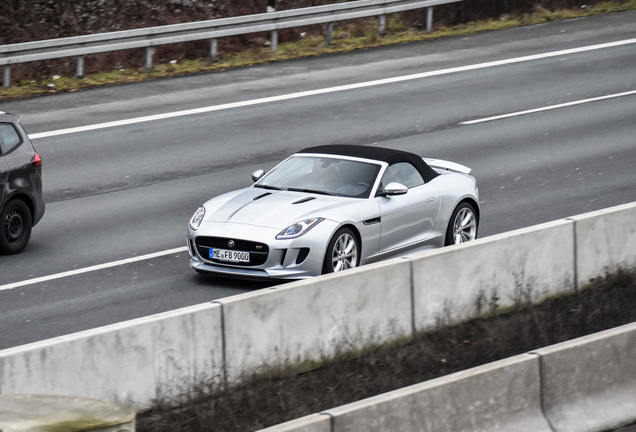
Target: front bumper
column 286, row 259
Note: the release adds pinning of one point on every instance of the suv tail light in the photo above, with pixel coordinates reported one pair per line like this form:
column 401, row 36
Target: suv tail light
column 36, row 161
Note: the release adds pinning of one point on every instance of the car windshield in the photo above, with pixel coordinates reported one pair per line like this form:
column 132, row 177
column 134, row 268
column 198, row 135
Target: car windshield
column 323, row 175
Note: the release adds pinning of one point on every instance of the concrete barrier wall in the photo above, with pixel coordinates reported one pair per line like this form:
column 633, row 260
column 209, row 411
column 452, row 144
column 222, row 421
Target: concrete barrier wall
column 306, row 321
column 310, row 423
column 41, row 413
column 455, row 283
column 501, row 396
column 584, row 385
column 129, row 363
column 589, row 384
column 313, row 319
column 605, row 239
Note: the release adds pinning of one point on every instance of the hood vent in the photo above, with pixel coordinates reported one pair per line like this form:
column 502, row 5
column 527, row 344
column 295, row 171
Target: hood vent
column 304, row 200
column 262, row 196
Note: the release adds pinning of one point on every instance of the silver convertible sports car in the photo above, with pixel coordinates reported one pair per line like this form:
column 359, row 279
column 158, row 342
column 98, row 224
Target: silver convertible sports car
column 331, row 208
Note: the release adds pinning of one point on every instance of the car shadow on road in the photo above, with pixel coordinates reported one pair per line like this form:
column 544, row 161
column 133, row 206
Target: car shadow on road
column 239, row 285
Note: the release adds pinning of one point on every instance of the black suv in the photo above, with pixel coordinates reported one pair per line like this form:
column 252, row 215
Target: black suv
column 21, row 203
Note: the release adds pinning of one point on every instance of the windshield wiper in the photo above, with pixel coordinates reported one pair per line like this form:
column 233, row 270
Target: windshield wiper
column 267, row 187
column 311, row 191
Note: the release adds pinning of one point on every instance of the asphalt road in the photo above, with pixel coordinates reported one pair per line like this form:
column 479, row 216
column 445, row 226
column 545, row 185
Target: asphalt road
column 127, row 190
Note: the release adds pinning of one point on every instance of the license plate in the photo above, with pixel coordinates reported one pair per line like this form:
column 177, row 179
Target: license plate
column 229, row 255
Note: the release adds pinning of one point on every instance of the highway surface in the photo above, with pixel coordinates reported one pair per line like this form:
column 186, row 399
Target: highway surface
column 126, row 166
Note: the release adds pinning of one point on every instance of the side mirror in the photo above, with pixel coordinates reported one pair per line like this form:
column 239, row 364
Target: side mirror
column 256, row 175
column 395, row 189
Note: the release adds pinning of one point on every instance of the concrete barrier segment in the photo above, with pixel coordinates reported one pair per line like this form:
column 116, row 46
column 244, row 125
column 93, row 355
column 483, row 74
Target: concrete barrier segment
column 310, row 320
column 589, row 383
column 500, row 396
column 456, row 283
column 606, row 239
column 42, row 413
column 131, row 363
column 310, row 423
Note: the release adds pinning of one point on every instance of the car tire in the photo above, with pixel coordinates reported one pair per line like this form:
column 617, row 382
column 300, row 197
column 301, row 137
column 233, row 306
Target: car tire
column 462, row 226
column 337, row 258
column 15, row 225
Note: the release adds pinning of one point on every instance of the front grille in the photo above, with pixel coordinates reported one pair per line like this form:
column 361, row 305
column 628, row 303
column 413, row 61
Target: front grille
column 258, row 251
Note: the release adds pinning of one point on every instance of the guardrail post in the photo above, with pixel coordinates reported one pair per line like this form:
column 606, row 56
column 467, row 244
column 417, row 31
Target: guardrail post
column 329, row 35
column 6, row 76
column 79, row 72
column 429, row 19
column 148, row 61
column 382, row 24
column 213, row 49
column 273, row 40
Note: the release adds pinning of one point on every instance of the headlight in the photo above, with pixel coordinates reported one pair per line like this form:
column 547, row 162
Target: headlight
column 195, row 222
column 298, row 229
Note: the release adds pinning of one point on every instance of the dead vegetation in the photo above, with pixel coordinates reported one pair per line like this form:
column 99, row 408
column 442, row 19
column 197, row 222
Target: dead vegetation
column 22, row 21
column 608, row 302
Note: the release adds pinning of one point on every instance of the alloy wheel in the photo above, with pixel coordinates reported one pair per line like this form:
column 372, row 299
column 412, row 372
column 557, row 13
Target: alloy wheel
column 464, row 226
column 345, row 253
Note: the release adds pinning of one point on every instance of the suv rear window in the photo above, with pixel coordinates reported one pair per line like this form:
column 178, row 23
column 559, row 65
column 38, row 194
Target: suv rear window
column 9, row 138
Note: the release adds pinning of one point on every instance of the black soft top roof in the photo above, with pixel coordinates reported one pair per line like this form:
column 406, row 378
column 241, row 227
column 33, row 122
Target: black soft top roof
column 382, row 154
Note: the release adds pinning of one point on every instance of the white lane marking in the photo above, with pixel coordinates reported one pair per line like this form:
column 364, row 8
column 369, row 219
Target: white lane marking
column 91, row 268
column 326, row 90
column 548, row 108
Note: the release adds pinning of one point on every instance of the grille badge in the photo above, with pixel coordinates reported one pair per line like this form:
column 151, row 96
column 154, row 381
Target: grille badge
column 231, row 244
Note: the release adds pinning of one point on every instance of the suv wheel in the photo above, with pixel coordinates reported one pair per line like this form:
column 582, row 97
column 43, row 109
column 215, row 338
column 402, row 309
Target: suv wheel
column 15, row 226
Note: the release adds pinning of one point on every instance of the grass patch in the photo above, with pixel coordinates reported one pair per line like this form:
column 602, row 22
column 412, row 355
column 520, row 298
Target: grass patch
column 346, row 38
column 281, row 396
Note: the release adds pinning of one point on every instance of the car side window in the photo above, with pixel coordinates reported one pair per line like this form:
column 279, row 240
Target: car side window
column 404, row 173
column 9, row 138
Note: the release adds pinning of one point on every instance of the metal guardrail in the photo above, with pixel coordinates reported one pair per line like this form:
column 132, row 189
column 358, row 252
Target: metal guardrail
column 149, row 37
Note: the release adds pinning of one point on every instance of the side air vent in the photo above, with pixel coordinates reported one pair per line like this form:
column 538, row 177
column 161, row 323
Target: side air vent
column 373, row 221
column 262, row 196
column 304, row 200
column 302, row 255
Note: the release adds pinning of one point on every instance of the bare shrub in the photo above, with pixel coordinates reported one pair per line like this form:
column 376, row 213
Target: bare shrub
column 22, row 21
